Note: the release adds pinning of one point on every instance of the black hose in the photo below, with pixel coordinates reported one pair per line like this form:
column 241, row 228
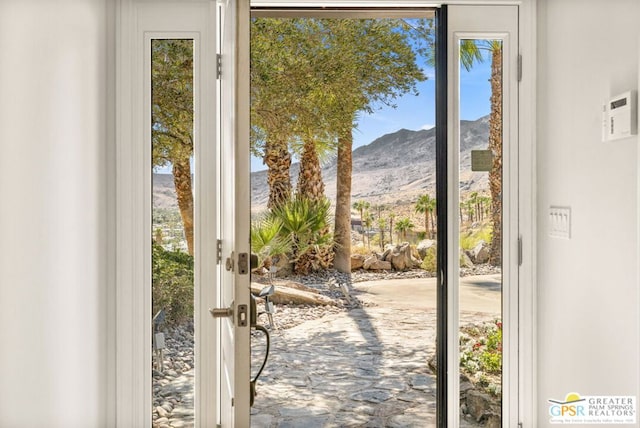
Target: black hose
column 266, row 355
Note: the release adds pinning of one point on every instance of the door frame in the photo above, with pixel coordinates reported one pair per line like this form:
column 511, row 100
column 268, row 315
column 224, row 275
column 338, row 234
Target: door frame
column 133, row 385
column 522, row 202
column 137, row 23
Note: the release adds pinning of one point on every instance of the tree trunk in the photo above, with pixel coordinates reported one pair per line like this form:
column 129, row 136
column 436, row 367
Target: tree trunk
column 310, row 184
column 427, row 234
column 342, row 231
column 182, row 182
column 495, row 145
column 278, row 160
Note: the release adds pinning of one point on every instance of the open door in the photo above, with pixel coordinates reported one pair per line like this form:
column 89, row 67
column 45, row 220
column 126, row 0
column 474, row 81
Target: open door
column 234, row 249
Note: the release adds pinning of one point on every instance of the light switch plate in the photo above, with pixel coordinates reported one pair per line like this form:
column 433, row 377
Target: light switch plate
column 560, row 222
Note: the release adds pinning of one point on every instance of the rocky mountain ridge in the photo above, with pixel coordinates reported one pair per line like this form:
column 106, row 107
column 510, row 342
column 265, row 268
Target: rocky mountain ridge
column 393, row 169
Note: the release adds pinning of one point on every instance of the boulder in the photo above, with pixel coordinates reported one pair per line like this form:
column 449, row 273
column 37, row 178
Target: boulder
column 423, row 246
column 480, row 253
column 387, row 250
column 414, row 253
column 465, row 260
column 300, row 295
column 284, row 267
column 380, row 265
column 357, row 261
column 401, row 258
column 369, row 260
column 482, row 408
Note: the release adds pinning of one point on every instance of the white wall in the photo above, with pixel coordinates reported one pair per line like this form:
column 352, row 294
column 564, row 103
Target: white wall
column 55, row 259
column 588, row 306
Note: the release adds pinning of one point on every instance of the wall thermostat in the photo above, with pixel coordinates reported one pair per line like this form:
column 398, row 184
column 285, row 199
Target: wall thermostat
column 619, row 117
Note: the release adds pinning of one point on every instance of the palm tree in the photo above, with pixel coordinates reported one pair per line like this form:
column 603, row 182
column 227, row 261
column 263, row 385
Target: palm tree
column 361, row 206
column 495, row 145
column 426, row 205
column 368, row 222
column 392, row 216
column 382, row 224
column 403, row 226
column 473, row 201
column 314, row 151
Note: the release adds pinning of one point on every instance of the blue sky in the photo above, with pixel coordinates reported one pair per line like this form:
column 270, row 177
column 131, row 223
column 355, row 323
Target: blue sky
column 418, row 112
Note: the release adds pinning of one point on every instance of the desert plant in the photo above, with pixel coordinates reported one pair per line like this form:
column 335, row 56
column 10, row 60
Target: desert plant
column 172, row 284
column 403, row 226
column 305, row 222
column 471, row 238
column 429, row 263
column 267, row 239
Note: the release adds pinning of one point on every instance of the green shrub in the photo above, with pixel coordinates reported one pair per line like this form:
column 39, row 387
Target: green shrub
column 429, row 263
column 471, row 238
column 172, row 284
column 267, row 238
column 306, row 224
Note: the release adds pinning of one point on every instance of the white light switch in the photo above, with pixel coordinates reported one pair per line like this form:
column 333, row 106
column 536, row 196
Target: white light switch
column 560, row 222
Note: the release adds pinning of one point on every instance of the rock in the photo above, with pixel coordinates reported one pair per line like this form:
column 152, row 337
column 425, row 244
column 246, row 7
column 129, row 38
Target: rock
column 414, row 253
column 480, row 253
column 162, row 412
column 387, row 250
column 283, row 266
column 480, row 406
column 372, row 395
column 380, row 265
column 465, row 260
column 286, row 295
column 423, row 246
column 371, row 259
column 400, row 257
column 357, row 261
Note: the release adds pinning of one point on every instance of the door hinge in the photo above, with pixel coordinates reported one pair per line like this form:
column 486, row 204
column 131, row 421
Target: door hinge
column 519, row 68
column 519, row 250
column 219, row 251
column 519, row 424
column 218, row 66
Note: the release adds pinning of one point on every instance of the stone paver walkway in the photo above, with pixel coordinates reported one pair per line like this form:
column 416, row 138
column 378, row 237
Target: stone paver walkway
column 361, row 368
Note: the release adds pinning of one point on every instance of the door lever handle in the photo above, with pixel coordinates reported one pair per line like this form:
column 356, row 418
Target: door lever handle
column 221, row 312
column 228, row 313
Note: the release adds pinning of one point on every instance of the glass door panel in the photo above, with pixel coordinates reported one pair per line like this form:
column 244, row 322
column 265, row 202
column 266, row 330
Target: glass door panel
column 172, row 123
column 480, row 232
column 330, row 89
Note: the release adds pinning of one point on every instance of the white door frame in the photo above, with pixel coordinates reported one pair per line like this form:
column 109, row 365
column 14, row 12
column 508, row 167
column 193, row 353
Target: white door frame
column 522, row 305
column 137, row 22
column 481, row 22
column 133, row 228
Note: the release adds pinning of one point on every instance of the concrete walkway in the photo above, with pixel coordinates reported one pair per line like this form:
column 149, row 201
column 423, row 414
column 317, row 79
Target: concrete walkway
column 364, row 367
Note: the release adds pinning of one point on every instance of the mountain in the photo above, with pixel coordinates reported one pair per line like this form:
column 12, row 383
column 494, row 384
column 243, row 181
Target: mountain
column 393, row 169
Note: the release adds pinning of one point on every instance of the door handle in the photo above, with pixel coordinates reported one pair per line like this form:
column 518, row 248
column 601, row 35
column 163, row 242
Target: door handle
column 228, row 313
column 221, row 312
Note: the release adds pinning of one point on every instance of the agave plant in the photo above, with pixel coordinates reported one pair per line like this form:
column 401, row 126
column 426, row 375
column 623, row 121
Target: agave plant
column 305, row 223
column 268, row 239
